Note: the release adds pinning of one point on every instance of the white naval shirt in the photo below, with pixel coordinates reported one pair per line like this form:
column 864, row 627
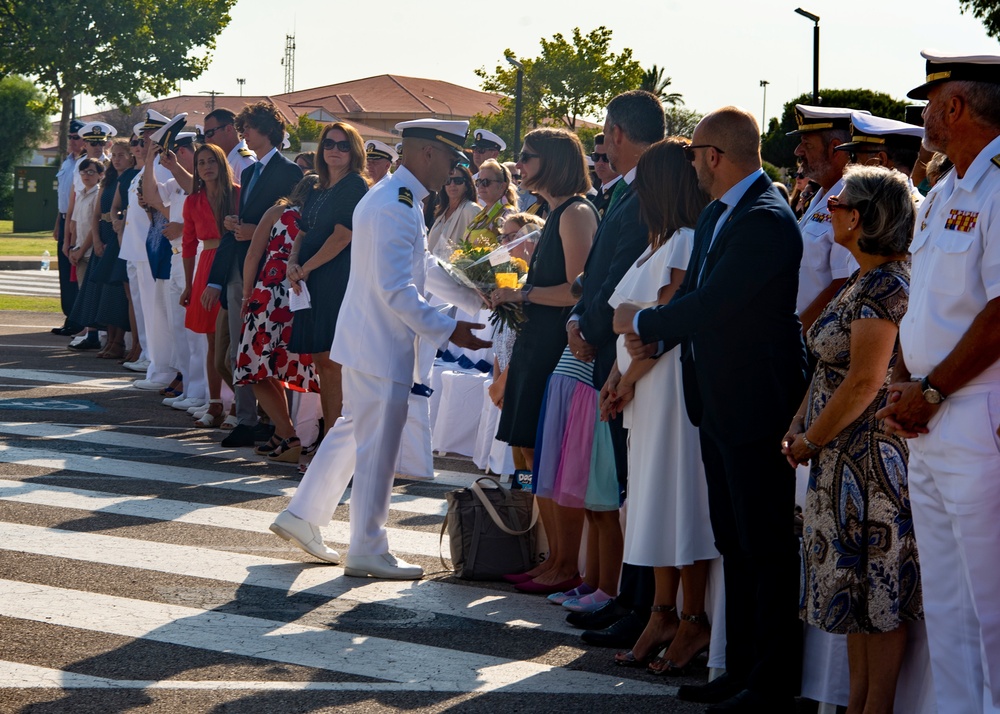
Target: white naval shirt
column 238, row 162
column 823, row 261
column 956, row 264
column 136, row 219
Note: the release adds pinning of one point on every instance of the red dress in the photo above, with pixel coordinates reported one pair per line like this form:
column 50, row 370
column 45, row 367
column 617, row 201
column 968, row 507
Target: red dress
column 267, row 323
column 200, row 225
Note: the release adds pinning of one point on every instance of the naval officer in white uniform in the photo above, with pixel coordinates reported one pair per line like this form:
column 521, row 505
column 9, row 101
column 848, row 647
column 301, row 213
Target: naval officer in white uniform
column 383, row 312
column 946, row 391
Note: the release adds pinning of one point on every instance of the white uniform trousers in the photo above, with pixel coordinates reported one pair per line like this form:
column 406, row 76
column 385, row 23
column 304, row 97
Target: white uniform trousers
column 363, row 443
column 954, row 477
column 132, row 270
column 160, row 334
column 189, row 348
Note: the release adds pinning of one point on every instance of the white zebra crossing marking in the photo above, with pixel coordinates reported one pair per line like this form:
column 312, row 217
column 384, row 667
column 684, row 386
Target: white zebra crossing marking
column 421, row 665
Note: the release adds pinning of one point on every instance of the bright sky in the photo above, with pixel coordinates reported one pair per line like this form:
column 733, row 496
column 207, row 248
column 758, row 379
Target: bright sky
column 716, row 51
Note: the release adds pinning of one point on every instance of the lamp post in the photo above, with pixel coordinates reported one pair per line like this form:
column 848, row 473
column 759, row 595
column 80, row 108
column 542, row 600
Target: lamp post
column 763, row 111
column 815, row 19
column 241, row 82
column 517, row 102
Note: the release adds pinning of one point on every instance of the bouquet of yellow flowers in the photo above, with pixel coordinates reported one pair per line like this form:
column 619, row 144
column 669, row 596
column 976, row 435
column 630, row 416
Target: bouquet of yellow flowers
column 484, row 265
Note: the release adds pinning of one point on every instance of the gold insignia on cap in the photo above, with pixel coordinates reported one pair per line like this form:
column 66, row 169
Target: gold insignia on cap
column 406, row 196
column 935, row 76
column 370, row 146
column 479, row 136
column 996, row 161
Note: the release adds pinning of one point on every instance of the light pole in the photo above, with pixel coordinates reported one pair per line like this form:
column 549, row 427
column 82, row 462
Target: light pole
column 763, row 111
column 241, row 82
column 213, row 93
column 815, row 19
column 517, row 102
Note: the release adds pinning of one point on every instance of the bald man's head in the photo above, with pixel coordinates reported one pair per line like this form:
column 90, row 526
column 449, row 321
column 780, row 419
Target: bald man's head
column 735, row 131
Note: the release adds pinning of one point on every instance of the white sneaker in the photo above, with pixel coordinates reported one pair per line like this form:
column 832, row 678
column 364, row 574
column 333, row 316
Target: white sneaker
column 170, row 401
column 194, row 410
column 383, row 565
column 148, row 385
column 304, row 534
column 138, row 366
column 79, row 339
column 188, row 402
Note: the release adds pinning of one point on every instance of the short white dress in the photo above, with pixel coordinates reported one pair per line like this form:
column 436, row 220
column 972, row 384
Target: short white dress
column 668, row 523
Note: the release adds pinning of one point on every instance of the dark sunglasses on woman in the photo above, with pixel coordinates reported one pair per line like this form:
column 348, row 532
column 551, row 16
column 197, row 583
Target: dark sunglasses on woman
column 455, row 181
column 486, row 183
column 342, row 146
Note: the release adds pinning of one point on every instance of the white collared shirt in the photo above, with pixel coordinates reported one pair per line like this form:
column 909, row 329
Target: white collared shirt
column 823, row 260
column 956, row 265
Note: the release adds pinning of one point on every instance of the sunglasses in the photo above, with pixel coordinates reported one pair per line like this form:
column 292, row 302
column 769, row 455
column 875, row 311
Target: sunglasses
column 598, row 158
column 455, row 181
column 209, row 133
column 689, row 150
column 506, row 237
column 486, row 183
column 833, row 203
column 342, row 146
column 527, row 156
column 74, row 137
column 516, row 177
column 481, row 149
column 89, row 172
column 135, row 142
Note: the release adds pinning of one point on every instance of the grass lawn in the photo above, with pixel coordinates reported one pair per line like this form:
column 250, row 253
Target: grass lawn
column 21, row 303
column 24, row 243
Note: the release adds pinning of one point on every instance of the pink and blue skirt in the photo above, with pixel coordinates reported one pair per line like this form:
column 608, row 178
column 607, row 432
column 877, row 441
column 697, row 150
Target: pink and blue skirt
column 574, row 458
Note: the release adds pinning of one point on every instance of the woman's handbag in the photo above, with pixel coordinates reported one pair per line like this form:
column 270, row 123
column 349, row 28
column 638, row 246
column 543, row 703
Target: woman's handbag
column 492, row 531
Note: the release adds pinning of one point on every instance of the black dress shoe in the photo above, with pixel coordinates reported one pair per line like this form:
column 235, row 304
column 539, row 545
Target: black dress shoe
column 718, row 690
column 751, row 702
column 241, row 435
column 262, row 432
column 609, row 614
column 63, row 331
column 621, row 634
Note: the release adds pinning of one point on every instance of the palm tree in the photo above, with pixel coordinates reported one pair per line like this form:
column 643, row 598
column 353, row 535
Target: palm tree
column 654, row 81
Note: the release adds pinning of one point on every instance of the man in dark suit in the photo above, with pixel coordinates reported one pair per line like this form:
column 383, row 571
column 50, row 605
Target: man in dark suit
column 634, row 121
column 744, row 376
column 605, row 174
column 263, row 183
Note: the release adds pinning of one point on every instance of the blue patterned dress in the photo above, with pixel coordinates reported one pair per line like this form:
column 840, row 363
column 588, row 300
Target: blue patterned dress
column 862, row 574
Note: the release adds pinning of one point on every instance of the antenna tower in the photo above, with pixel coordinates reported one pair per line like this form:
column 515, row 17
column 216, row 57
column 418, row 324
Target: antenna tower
column 289, row 63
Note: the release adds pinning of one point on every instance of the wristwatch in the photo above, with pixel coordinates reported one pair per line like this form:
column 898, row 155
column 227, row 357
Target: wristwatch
column 525, row 291
column 931, row 394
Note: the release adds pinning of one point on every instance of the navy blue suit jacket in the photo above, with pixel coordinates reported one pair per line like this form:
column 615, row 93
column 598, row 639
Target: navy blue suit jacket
column 276, row 181
column 742, row 352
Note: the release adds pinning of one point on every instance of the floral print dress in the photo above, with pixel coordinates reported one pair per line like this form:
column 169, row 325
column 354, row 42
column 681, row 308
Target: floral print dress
column 267, row 324
column 862, row 574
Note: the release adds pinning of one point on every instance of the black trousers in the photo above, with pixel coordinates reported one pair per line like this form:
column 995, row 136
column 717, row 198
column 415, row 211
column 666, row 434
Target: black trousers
column 67, row 288
column 751, row 495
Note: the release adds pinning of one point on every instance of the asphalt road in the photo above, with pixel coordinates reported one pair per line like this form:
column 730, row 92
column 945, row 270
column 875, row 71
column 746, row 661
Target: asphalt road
column 137, row 572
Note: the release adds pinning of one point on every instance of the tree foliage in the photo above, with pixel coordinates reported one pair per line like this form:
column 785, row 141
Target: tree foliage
column 656, row 84
column 114, row 50
column 986, row 11
column 680, row 121
column 24, row 125
column 778, row 148
column 568, row 80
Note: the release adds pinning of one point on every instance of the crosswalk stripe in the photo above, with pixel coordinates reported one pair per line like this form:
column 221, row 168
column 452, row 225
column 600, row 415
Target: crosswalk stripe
column 33, row 375
column 162, row 509
column 469, row 602
column 302, row 645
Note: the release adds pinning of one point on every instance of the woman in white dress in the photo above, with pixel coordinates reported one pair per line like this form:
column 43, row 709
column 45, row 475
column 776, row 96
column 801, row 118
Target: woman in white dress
column 668, row 525
column 456, row 209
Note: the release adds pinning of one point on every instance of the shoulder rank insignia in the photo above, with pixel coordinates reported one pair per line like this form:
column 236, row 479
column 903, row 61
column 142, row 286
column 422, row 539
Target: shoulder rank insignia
column 996, row 161
column 963, row 221
column 245, row 151
column 406, row 196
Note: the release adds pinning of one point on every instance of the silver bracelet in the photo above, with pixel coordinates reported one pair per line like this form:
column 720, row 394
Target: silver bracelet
column 812, row 447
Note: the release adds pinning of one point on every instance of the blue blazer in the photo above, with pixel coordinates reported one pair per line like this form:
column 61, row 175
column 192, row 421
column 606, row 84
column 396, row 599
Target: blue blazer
column 742, row 352
column 276, row 181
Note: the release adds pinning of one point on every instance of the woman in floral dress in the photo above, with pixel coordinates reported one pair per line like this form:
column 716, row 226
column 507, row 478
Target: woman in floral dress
column 263, row 359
